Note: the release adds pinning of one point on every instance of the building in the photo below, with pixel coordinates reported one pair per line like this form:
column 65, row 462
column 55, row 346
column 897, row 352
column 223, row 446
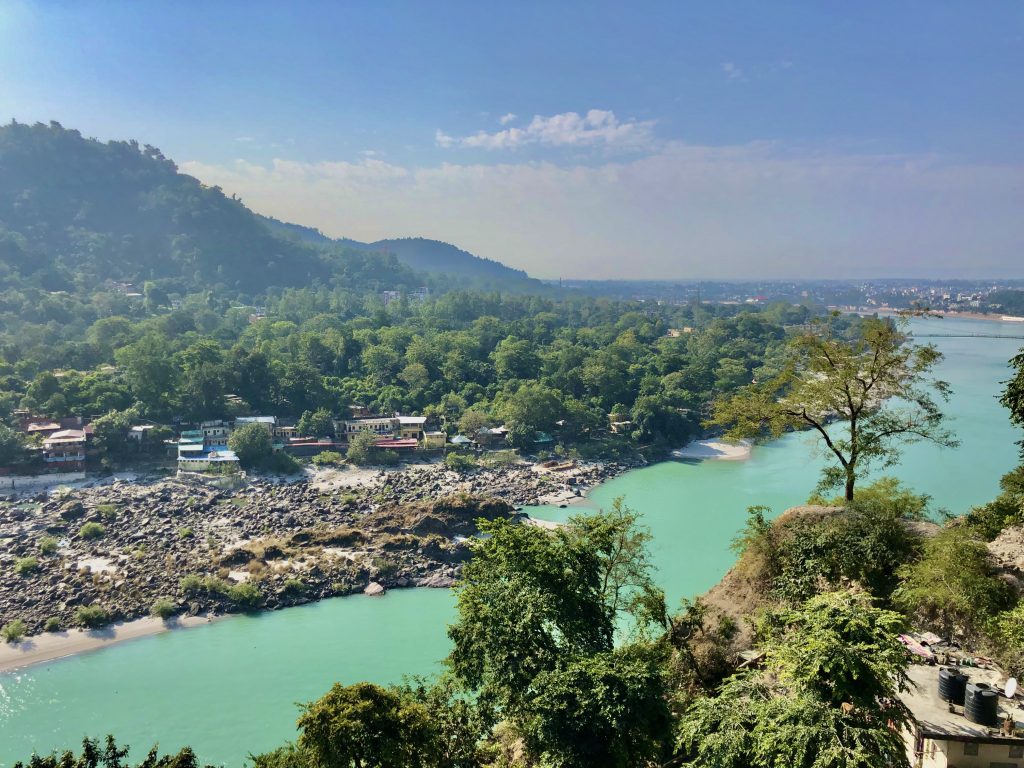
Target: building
column 411, row 427
column 215, row 433
column 945, row 735
column 64, row 450
column 381, row 426
column 269, row 422
column 434, row 440
column 491, row 437
column 461, row 443
column 191, row 460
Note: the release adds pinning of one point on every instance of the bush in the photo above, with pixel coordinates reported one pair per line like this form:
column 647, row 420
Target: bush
column 244, row 595
column 281, row 463
column 52, row 625
column 191, row 584
column 24, row 566
column 163, row 608
column 14, row 631
column 91, row 531
column 459, row 462
column 91, row 616
column 48, row 545
column 328, row 459
column 185, row 533
column 294, row 586
column 107, row 511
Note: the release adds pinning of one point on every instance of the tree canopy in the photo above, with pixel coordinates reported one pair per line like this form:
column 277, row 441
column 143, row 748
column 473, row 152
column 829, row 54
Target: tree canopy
column 877, row 384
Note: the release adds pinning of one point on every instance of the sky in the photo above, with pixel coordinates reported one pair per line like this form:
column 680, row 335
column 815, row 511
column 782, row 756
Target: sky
column 676, row 140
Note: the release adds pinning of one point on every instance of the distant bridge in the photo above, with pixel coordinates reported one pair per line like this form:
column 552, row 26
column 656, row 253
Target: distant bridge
column 965, row 336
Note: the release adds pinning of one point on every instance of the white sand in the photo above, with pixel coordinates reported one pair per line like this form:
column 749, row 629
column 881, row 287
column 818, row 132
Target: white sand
column 56, row 645
column 715, row 449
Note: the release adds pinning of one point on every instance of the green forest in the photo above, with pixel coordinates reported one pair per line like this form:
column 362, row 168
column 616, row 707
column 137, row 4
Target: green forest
column 227, row 316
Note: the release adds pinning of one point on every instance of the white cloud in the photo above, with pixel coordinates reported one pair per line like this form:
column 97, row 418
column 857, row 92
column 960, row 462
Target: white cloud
column 597, row 127
column 507, row 118
column 245, row 139
column 684, row 211
column 732, row 71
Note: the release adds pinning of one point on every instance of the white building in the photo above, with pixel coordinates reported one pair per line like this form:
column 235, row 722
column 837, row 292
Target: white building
column 943, row 735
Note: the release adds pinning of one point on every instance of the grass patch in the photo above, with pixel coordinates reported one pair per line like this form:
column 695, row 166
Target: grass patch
column 91, row 531
column 26, row 566
column 52, row 625
column 48, row 545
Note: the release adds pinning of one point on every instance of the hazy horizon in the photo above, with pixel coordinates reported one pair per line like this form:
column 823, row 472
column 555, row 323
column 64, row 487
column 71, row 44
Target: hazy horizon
column 580, row 141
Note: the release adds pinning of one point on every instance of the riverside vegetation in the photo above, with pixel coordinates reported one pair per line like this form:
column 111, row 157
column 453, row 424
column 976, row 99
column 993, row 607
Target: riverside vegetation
column 565, row 654
column 137, row 292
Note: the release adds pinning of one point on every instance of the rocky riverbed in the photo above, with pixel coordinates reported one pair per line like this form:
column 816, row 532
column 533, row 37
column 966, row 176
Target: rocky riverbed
column 112, row 552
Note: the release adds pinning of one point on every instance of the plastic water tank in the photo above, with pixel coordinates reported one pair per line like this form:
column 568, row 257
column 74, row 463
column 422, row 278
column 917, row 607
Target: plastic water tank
column 981, row 704
column 952, row 685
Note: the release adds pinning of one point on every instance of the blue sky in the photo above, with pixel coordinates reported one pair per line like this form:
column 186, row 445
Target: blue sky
column 583, row 139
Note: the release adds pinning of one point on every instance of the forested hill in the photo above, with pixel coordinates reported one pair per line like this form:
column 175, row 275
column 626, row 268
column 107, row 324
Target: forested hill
column 420, row 254
column 75, row 212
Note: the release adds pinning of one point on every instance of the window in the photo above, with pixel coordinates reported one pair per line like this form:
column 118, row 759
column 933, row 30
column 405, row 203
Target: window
column 970, row 748
column 1002, row 765
column 1017, row 750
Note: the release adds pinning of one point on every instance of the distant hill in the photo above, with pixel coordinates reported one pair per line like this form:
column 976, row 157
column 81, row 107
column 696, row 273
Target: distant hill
column 75, row 212
column 420, row 254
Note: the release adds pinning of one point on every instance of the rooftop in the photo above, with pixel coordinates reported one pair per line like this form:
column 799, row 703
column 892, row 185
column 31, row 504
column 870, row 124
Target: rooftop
column 934, row 715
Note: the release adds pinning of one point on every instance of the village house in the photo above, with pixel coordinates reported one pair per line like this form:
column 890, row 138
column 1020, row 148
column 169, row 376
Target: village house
column 64, row 450
column 205, row 459
column 963, row 719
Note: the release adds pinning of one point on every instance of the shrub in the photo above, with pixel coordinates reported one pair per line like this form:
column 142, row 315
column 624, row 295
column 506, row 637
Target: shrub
column 244, row 595
column 191, row 584
column 281, row 463
column 294, row 586
column 107, row 511
column 14, row 631
column 328, row 459
column 459, row 462
column 185, row 533
column 48, row 545
column 52, row 625
column 91, row 616
column 91, row 531
column 25, row 566
column 163, row 608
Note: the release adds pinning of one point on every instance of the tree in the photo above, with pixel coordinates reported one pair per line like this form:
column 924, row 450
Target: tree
column 366, row 726
column 827, row 696
column 251, row 443
column 317, row 423
column 953, row 588
column 472, row 421
column 12, row 445
column 362, row 448
column 527, row 600
column 110, row 756
column 609, row 710
column 1013, row 395
column 534, row 639
column 621, row 544
column 110, row 432
column 877, row 384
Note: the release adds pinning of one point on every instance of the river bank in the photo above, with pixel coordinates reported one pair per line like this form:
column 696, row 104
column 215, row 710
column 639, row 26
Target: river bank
column 58, row 645
column 120, row 548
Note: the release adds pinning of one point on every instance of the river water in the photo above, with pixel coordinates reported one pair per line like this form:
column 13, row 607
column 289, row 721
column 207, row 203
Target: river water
column 230, row 688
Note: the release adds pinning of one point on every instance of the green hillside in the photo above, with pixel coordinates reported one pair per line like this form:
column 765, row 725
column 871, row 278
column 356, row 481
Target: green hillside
column 76, row 212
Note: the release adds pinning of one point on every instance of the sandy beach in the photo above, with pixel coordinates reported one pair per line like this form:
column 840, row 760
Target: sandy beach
column 57, row 645
column 715, row 449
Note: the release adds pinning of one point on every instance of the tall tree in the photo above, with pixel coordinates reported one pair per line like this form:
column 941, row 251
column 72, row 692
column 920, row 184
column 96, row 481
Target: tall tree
column 878, row 385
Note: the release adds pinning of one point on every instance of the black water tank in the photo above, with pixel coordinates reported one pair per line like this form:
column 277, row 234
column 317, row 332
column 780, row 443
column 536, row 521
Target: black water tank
column 981, row 704
column 952, row 685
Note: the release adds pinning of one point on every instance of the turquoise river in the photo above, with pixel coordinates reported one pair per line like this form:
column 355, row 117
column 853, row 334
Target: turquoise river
column 231, row 687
